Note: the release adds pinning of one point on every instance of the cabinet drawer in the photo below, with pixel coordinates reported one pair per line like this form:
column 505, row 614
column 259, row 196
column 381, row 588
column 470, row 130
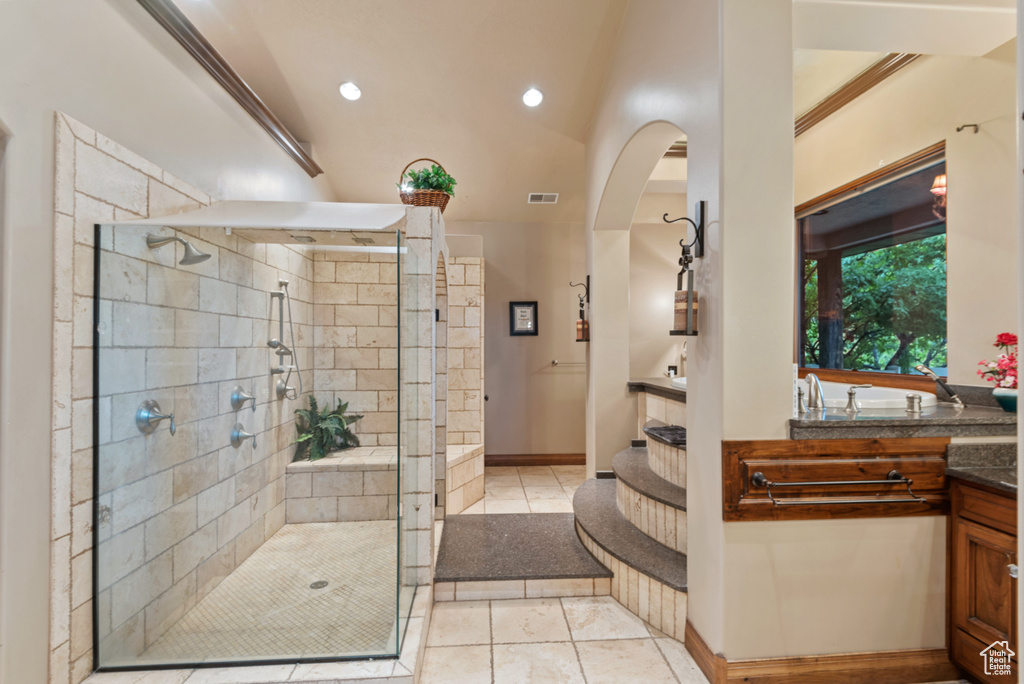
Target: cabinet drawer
column 966, row 652
column 984, row 594
column 986, row 508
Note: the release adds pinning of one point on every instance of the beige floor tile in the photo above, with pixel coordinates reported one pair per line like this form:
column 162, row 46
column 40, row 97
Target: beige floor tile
column 475, row 509
column 601, row 618
column 551, row 506
column 363, row 669
column 624, row 661
column 543, row 492
column 238, row 675
column 536, row 664
column 460, row 623
column 504, row 493
column 537, row 475
column 681, row 661
column 529, row 620
column 456, row 665
column 501, row 470
column 505, row 506
column 506, row 480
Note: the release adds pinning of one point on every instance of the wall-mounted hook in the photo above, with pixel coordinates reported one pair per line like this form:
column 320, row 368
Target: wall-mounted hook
column 698, row 228
column 974, row 126
column 585, row 286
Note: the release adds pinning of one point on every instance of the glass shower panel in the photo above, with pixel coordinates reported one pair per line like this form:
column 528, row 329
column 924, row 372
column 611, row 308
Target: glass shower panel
column 216, row 540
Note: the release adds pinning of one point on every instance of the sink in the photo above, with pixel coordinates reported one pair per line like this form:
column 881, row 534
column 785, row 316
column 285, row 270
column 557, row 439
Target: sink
column 679, row 383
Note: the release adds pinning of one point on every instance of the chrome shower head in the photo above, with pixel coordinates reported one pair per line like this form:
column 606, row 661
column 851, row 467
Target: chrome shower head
column 192, row 255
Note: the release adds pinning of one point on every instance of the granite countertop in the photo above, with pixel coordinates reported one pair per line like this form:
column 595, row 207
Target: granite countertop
column 944, row 420
column 661, row 387
column 1002, row 478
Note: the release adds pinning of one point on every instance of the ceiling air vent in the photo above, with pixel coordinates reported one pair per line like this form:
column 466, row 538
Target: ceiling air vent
column 542, row 198
column 363, row 240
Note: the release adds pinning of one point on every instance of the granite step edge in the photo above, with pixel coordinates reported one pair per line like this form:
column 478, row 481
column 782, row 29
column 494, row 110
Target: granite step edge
column 654, row 434
column 632, row 467
column 599, row 517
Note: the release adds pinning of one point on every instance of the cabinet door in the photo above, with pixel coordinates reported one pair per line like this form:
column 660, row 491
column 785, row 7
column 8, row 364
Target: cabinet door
column 984, row 594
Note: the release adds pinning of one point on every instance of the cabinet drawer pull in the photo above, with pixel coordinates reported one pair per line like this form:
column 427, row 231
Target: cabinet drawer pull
column 758, row 479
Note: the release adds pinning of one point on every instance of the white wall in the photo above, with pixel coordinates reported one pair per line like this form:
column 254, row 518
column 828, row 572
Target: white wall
column 920, row 106
column 533, row 407
column 106, row 63
column 653, row 265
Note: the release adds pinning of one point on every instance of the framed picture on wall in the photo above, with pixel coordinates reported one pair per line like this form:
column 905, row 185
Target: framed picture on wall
column 522, row 318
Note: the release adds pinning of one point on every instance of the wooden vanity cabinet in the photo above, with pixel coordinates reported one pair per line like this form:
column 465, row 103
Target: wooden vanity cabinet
column 983, row 595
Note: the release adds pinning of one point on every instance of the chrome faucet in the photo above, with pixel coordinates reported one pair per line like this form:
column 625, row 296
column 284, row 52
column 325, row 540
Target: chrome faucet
column 925, row 370
column 815, row 395
column 851, row 398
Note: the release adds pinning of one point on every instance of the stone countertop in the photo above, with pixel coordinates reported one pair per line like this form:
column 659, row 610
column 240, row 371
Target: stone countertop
column 1001, row 478
column 661, row 387
column 943, row 420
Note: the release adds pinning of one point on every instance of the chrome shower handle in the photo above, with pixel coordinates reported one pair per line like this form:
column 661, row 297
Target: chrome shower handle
column 239, row 435
column 239, row 397
column 148, row 417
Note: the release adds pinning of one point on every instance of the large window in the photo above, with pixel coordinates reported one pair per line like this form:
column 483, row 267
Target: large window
column 874, row 276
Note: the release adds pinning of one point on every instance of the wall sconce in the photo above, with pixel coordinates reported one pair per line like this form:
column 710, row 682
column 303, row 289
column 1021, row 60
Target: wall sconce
column 686, row 321
column 582, row 325
column 939, row 191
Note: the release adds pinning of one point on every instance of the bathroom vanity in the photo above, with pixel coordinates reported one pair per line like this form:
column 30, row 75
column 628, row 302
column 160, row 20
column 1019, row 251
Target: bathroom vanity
column 983, row 565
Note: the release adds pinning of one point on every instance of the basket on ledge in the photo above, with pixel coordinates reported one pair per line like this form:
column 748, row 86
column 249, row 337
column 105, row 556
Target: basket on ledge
column 423, row 198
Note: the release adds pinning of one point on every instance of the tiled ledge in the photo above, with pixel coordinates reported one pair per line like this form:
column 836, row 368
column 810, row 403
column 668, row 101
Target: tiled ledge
column 354, row 485
column 517, row 589
column 464, row 476
column 404, row 670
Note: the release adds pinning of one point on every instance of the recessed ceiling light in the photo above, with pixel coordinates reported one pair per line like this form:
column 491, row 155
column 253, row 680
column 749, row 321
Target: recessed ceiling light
column 532, row 97
column 350, row 91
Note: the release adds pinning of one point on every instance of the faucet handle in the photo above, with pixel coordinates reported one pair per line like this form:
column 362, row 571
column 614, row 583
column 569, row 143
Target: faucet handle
column 851, row 394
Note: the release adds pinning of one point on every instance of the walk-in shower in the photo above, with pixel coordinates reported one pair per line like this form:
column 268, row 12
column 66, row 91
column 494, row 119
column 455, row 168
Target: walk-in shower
column 212, row 545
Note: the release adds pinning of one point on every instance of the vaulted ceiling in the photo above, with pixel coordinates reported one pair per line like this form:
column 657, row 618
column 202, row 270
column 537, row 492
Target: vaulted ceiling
column 445, row 81
column 441, row 80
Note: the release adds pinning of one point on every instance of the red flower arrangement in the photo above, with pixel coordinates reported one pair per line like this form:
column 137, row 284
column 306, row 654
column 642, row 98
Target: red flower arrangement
column 1002, row 371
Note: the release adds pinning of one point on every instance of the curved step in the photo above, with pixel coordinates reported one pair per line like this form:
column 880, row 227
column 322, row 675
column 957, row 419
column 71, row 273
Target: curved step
column 599, row 517
column 653, row 505
column 665, row 455
column 632, row 467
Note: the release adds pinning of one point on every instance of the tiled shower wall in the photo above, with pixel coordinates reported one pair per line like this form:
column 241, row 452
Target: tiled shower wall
column 355, row 318
column 179, row 513
column 96, row 180
column 465, row 350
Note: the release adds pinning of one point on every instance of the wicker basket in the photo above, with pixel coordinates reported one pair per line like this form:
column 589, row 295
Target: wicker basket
column 423, row 198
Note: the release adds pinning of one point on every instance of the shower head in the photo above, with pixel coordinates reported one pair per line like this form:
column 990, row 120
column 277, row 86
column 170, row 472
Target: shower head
column 192, row 255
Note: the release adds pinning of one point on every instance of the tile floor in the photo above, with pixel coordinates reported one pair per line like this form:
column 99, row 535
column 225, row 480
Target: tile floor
column 267, row 608
column 592, row 640
column 529, row 489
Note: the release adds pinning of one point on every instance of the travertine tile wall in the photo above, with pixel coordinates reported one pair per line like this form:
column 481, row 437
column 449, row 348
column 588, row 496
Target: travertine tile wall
column 465, row 350
column 179, row 513
column 440, row 387
column 464, row 477
column 355, row 332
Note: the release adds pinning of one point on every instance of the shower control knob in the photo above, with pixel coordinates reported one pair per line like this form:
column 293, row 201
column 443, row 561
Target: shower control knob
column 239, row 397
column 148, row 417
column 239, row 435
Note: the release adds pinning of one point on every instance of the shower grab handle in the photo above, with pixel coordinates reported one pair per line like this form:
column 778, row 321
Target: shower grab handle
column 239, row 397
column 239, row 435
column 148, row 417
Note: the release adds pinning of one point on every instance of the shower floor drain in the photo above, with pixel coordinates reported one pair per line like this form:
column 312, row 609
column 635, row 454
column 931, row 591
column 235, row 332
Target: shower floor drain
column 319, row 584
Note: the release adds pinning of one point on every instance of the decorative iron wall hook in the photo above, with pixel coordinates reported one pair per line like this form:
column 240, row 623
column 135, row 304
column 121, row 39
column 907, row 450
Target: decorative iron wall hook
column 585, row 286
column 698, row 229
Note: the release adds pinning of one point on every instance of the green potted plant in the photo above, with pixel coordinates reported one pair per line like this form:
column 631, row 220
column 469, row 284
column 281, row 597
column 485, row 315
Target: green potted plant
column 322, row 431
column 431, row 187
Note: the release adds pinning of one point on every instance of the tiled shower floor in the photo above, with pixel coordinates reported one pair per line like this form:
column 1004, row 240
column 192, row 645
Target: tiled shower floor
column 266, row 608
